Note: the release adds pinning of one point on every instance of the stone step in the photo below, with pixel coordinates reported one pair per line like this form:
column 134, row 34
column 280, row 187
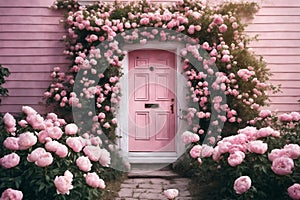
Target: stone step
column 140, row 173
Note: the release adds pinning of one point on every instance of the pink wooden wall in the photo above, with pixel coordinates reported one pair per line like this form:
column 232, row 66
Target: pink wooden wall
column 30, row 45
column 278, row 26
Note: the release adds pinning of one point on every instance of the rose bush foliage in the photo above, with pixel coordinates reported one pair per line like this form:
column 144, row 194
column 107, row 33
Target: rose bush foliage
column 46, row 158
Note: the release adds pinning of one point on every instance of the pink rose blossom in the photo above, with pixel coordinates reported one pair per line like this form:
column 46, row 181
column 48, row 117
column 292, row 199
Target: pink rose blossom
column 282, row 166
column 206, row 151
column 242, row 184
column 27, row 140
column 84, row 164
column 11, row 194
column 75, row 144
column 71, row 129
column 258, row 147
column 104, row 158
column 44, row 160
column 188, row 137
column 11, row 143
column 223, row 28
column 171, row 193
column 10, row 160
column 93, row 180
column 92, row 152
column 63, row 184
column 236, row 158
column 195, row 151
column 36, row 154
column 294, row 191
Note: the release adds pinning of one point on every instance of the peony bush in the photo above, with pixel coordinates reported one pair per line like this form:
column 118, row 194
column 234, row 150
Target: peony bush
column 46, row 158
column 262, row 161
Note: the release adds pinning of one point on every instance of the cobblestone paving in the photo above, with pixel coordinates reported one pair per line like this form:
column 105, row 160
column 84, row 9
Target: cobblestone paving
column 146, row 188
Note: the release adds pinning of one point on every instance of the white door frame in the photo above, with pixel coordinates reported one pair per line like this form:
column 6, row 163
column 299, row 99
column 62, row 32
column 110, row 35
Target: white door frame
column 152, row 157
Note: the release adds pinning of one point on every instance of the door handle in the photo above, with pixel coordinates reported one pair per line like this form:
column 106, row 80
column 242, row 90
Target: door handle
column 172, row 108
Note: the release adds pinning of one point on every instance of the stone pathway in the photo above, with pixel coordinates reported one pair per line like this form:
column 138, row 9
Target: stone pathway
column 150, row 185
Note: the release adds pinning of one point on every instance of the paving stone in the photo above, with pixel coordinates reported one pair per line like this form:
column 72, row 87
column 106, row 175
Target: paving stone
column 152, row 187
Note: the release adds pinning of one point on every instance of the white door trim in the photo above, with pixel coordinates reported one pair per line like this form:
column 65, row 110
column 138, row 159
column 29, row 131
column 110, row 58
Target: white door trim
column 122, row 130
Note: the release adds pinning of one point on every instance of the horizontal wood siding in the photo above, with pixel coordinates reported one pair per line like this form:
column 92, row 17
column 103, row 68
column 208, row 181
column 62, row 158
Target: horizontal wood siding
column 277, row 25
column 31, row 44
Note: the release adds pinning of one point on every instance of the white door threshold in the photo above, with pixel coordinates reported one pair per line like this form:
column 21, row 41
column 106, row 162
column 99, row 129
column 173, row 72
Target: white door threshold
column 152, row 157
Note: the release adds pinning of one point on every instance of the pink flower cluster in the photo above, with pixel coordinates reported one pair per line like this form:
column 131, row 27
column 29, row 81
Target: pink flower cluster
column 63, row 183
column 188, row 137
column 11, row 194
column 40, row 157
column 10, row 160
column 22, row 142
column 290, row 117
column 282, row 159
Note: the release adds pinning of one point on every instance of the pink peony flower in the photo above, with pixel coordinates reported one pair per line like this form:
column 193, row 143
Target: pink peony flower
column 265, row 132
column 28, row 110
column 285, row 117
column 10, row 122
column 11, row 143
column 42, row 136
column 84, row 164
column 195, row 151
column 52, row 145
column 258, row 147
column 44, row 160
column 92, row 152
column 292, row 151
column 71, row 129
column 62, row 151
column 294, row 191
column 36, row 121
column 93, row 180
column 265, row 113
column 36, row 154
column 104, row 158
column 282, row 166
column 236, row 158
column 54, row 132
column 63, row 184
column 242, row 184
column 171, row 193
column 11, row 194
column 296, row 116
column 275, row 153
column 27, row 140
column 250, row 132
column 75, row 144
column 10, row 160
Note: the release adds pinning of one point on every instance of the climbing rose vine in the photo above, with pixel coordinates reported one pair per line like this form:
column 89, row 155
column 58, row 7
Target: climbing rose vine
column 215, row 56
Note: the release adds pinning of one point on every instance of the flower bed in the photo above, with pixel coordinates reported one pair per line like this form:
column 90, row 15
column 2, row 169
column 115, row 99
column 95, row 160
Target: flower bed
column 45, row 158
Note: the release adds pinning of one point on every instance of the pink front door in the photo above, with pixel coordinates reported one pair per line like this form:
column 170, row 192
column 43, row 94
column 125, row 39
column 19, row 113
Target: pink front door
column 152, row 102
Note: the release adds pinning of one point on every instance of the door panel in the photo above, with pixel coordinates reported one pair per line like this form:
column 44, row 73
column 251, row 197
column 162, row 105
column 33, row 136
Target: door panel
column 152, row 104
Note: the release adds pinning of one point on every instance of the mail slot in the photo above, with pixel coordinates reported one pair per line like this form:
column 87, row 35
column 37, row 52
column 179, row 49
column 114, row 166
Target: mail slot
column 151, row 105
